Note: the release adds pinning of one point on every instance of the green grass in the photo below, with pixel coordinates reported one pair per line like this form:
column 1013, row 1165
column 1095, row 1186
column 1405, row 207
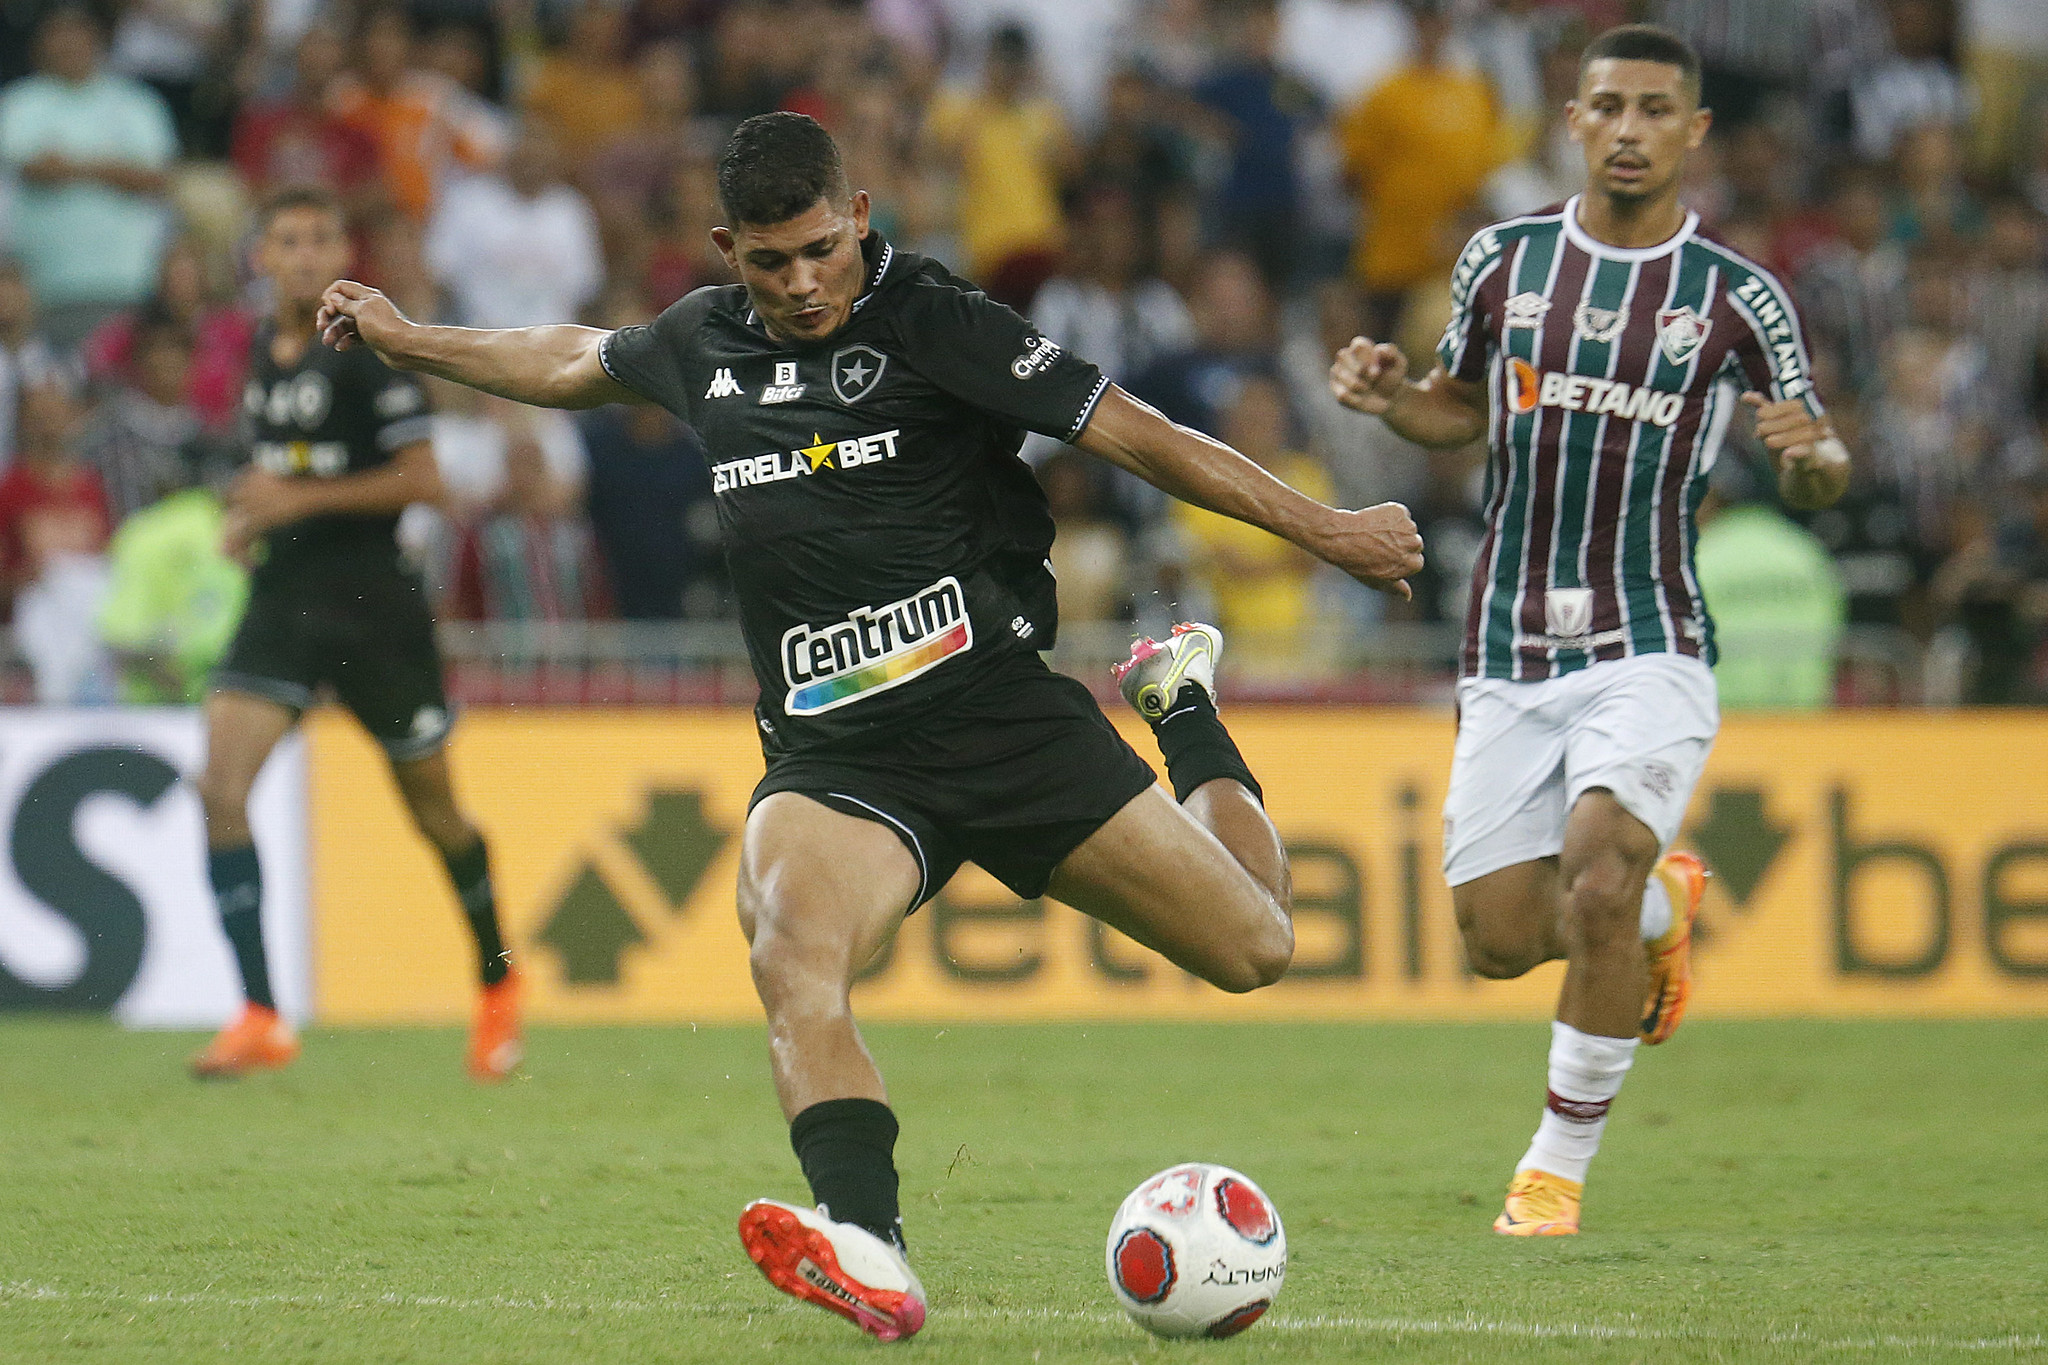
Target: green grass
column 1770, row 1191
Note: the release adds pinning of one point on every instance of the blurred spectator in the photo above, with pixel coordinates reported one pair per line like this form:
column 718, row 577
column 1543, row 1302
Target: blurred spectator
column 626, row 181
column 422, row 122
column 1344, row 48
column 1010, row 145
column 517, row 248
column 585, row 88
column 219, row 334
column 92, row 151
column 1104, row 307
column 1418, row 148
column 1136, row 150
column 1551, row 168
column 1090, row 556
column 1263, row 587
column 54, row 523
column 531, row 558
column 1778, row 608
column 298, row 139
column 1928, row 435
column 652, row 513
column 1915, row 87
column 1852, row 292
column 1752, row 52
column 142, row 437
column 26, row 356
column 173, row 597
column 1233, row 315
column 2005, row 51
column 1933, row 204
column 2008, row 306
column 169, row 45
column 1170, row 40
column 1366, row 461
column 681, row 257
column 1261, row 111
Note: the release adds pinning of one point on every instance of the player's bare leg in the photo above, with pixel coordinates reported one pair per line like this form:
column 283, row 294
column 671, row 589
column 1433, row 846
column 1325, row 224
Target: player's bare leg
column 1597, row 918
column 820, row 894
column 241, row 730
column 1158, row 874
column 495, row 1047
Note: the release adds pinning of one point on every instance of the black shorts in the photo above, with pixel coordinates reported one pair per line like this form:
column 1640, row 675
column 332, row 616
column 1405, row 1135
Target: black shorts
column 1013, row 776
column 370, row 638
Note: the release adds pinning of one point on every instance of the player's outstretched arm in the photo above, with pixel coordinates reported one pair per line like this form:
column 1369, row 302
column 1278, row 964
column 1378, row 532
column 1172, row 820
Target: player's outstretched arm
column 261, row 501
column 550, row 367
column 1813, row 464
column 1379, row 546
column 1440, row 412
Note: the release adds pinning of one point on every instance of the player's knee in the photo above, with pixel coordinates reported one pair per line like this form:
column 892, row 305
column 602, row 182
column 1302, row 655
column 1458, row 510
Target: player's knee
column 1604, row 897
column 1498, row 953
column 1261, row 959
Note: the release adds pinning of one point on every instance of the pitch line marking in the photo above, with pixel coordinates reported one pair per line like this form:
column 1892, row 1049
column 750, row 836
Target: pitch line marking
column 23, row 1291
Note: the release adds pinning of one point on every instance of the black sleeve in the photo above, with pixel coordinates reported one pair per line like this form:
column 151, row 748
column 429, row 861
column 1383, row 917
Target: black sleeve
column 649, row 360
column 990, row 358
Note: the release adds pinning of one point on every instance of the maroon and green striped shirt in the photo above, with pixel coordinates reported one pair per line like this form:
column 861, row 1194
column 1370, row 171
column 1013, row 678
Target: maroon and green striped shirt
column 1611, row 375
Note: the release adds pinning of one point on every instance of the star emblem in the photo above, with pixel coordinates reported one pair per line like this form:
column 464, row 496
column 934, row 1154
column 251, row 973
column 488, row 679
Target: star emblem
column 818, row 454
column 856, row 373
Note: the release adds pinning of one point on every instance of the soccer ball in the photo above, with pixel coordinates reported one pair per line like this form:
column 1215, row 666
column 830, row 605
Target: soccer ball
column 1197, row 1250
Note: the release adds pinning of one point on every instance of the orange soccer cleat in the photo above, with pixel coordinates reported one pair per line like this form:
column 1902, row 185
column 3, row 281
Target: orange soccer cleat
column 834, row 1265
column 1541, row 1205
column 494, row 1045
column 257, row 1040
column 1685, row 881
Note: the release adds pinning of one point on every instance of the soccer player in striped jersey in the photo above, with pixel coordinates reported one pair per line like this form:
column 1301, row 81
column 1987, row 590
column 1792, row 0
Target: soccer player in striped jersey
column 1602, row 348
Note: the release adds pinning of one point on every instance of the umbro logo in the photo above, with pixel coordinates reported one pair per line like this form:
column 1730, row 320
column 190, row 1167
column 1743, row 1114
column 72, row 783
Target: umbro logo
column 1526, row 309
column 723, row 385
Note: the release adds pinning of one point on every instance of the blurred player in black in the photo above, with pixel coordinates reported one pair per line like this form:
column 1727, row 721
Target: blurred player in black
column 863, row 408
column 339, row 446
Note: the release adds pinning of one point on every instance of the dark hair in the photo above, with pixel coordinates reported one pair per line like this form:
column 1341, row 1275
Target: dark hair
column 298, row 197
column 1646, row 43
column 776, row 167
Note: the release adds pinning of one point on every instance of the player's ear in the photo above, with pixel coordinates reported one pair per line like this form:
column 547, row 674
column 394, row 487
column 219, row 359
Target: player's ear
column 1702, row 119
column 1571, row 119
column 861, row 208
column 722, row 238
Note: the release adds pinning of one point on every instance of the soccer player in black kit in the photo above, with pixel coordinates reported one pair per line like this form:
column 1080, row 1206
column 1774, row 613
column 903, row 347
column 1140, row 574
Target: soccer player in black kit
column 339, row 445
column 863, row 409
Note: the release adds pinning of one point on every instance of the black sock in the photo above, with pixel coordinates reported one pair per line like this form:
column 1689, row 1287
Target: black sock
column 848, row 1152
column 1197, row 747
column 470, row 870
column 238, row 890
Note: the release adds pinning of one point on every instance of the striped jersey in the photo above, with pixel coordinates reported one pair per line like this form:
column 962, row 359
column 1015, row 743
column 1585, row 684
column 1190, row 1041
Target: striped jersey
column 1611, row 375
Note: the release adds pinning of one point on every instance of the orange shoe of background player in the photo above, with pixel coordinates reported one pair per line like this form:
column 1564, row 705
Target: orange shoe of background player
column 494, row 1045
column 1541, row 1205
column 1685, row 881
column 258, row 1040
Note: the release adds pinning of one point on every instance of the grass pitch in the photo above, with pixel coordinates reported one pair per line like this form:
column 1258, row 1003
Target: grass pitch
column 1782, row 1191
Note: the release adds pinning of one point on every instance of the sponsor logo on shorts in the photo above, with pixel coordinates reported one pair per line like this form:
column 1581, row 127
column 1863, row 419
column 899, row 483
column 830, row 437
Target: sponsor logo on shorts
column 1660, row 779
column 874, row 648
column 805, row 461
column 1529, row 390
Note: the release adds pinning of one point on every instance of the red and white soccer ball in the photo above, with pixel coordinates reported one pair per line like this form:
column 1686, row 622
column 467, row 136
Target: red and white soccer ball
column 1197, row 1250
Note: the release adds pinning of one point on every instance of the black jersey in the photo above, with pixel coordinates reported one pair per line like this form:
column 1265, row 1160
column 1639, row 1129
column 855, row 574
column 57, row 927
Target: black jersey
column 333, row 413
column 885, row 542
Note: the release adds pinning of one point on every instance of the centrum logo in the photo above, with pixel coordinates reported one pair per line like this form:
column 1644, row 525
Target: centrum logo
column 804, row 461
column 874, row 648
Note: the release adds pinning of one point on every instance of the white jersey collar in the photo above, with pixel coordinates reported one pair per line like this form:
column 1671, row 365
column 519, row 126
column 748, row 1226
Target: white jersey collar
column 1586, row 242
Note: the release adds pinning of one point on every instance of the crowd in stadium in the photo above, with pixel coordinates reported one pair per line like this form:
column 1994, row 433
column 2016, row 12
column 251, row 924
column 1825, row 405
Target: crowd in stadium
column 1207, row 197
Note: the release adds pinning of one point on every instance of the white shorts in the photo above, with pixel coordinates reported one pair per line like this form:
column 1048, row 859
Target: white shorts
column 1527, row 751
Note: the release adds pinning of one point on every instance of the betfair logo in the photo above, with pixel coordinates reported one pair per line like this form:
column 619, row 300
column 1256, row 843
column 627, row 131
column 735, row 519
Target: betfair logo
column 804, row 461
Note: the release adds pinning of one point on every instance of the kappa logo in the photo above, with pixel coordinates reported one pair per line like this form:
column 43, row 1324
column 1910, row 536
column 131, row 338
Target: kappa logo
column 786, row 388
column 1526, row 309
column 856, row 371
column 1598, row 325
column 1680, row 332
column 723, row 385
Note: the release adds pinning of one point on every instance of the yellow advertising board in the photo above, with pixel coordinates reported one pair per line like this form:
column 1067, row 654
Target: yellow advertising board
column 1866, row 864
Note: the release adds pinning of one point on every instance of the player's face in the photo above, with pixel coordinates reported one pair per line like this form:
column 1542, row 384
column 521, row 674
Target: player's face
column 1635, row 121
column 302, row 252
column 803, row 274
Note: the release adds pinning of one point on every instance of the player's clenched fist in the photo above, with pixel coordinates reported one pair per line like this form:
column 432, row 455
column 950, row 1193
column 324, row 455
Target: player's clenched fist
column 1813, row 465
column 1379, row 546
column 1367, row 375
column 351, row 313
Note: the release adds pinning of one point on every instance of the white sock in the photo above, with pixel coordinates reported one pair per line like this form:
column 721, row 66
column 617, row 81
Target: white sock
column 1657, row 910
column 1586, row 1072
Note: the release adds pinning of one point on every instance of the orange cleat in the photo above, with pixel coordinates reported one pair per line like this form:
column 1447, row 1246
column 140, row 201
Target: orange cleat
column 494, row 1045
column 838, row 1266
column 257, row 1040
column 1685, row 881
column 1541, row 1205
